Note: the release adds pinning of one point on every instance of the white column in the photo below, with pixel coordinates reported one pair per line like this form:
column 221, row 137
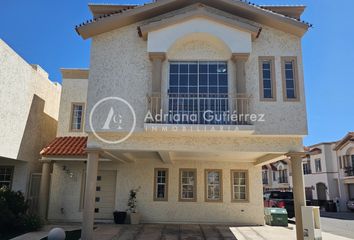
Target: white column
column 44, row 189
column 90, row 193
column 298, row 191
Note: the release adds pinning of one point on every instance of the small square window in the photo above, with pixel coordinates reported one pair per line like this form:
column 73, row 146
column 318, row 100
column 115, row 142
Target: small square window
column 97, row 199
column 97, row 210
column 99, row 178
column 98, row 189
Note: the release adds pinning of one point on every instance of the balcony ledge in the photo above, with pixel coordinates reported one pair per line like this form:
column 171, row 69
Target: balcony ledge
column 199, row 128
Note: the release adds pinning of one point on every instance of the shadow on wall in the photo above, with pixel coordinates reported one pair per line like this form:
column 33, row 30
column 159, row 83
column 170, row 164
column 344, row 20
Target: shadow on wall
column 40, row 129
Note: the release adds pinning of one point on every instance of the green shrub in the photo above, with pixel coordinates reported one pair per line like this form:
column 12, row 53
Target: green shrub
column 13, row 213
column 32, row 222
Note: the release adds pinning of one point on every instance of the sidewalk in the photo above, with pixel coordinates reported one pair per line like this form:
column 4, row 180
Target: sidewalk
column 274, row 233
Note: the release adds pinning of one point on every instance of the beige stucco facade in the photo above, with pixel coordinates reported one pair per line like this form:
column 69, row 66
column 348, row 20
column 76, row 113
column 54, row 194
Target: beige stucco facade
column 131, row 64
column 29, row 104
column 74, row 91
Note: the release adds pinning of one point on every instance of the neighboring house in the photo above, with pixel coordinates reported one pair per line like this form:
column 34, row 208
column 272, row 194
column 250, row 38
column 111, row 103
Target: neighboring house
column 345, row 158
column 184, row 59
column 29, row 104
column 328, row 173
column 321, row 173
column 277, row 176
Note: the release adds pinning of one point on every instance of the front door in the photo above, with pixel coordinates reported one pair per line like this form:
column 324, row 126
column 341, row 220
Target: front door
column 321, row 191
column 105, row 194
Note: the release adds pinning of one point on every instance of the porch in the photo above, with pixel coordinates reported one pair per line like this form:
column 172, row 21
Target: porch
column 137, row 168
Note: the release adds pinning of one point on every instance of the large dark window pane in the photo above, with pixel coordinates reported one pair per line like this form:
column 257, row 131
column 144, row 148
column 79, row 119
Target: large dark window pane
column 203, row 68
column 266, row 74
column 197, row 87
column 183, row 68
column 213, row 79
column 222, row 79
column 161, row 191
column 193, row 68
column 173, row 80
column 267, row 93
column 290, row 93
column 203, row 79
column 289, row 84
column 183, row 79
column 173, row 68
column 193, row 80
column 213, row 68
column 289, row 74
column 267, row 84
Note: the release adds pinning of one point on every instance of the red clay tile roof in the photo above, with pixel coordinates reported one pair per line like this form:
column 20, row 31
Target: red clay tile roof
column 68, row 146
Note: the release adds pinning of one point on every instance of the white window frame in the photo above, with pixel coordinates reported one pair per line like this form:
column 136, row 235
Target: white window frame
column 156, row 184
column 4, row 182
column 193, row 184
column 239, row 185
column 74, row 117
column 318, row 167
column 219, row 184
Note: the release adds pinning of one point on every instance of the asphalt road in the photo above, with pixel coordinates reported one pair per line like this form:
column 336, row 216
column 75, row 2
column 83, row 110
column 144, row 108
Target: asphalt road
column 341, row 224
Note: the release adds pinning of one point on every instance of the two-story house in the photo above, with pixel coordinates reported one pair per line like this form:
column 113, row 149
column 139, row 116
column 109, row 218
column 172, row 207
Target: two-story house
column 185, row 100
column 29, row 104
column 321, row 173
column 277, row 176
column 345, row 155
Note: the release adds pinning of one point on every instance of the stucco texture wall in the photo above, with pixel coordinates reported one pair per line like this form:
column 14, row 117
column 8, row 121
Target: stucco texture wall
column 120, row 66
column 29, row 104
column 73, row 91
column 65, row 193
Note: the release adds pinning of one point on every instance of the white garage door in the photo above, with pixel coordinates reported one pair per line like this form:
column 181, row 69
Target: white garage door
column 105, row 194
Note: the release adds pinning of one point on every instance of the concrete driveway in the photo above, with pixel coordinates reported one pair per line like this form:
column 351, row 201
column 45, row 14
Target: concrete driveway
column 200, row 232
column 184, row 232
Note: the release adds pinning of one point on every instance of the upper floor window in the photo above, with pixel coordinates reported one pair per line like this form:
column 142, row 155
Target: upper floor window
column 161, row 184
column 77, row 113
column 6, row 176
column 196, row 87
column 283, row 176
column 318, row 166
column 265, row 176
column 290, row 79
column 188, row 185
column 213, row 185
column 307, row 167
column 267, row 78
column 340, row 162
column 239, row 184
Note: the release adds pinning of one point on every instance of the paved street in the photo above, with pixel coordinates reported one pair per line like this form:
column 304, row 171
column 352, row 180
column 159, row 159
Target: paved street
column 341, row 224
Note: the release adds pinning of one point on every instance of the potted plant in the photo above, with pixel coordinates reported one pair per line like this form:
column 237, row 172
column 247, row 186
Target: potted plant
column 132, row 207
column 119, row 217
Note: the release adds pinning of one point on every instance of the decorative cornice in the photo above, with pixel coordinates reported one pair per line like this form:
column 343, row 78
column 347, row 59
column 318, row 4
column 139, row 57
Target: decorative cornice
column 157, row 55
column 239, row 56
column 71, row 73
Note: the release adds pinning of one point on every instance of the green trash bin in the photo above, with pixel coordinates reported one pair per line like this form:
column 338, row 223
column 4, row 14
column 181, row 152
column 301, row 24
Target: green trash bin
column 276, row 216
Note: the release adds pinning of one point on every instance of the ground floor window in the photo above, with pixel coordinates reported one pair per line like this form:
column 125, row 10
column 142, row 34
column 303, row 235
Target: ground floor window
column 188, row 184
column 239, row 184
column 161, row 184
column 213, row 185
column 6, row 176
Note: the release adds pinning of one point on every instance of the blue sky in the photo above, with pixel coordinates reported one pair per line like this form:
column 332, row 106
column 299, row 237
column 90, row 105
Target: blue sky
column 42, row 32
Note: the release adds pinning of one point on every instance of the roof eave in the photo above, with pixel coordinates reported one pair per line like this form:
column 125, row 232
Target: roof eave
column 104, row 24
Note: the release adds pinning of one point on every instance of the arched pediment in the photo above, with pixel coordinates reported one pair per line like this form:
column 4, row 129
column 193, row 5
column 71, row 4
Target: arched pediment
column 161, row 34
column 199, row 46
